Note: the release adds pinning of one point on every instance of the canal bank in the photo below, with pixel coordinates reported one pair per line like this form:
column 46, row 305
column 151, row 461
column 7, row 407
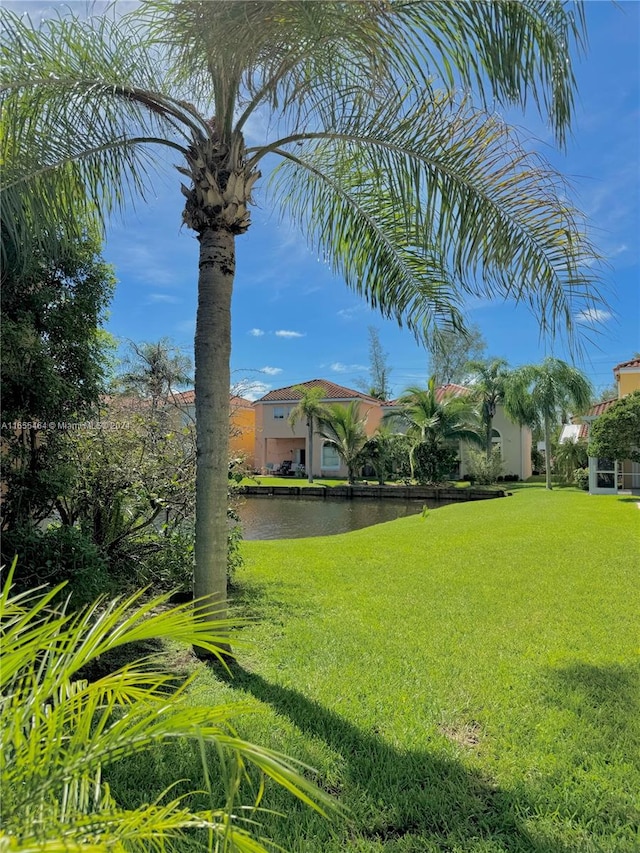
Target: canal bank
column 371, row 492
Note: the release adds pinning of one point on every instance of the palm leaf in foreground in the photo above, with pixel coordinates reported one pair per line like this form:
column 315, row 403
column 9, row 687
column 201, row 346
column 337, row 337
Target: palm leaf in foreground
column 59, row 729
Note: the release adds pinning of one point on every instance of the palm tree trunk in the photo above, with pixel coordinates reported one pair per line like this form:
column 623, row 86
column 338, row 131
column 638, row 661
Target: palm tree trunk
column 489, row 436
column 547, row 451
column 310, row 453
column 212, row 383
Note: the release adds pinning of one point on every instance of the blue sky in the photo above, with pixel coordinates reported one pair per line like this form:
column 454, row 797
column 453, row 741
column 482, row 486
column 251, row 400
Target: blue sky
column 293, row 320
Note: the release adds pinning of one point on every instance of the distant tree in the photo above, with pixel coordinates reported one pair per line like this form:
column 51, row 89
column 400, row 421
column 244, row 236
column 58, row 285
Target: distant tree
column 309, row 408
column 450, row 352
column 616, row 433
column 541, row 393
column 156, row 370
column 379, row 371
column 54, row 358
column 606, row 392
column 343, row 428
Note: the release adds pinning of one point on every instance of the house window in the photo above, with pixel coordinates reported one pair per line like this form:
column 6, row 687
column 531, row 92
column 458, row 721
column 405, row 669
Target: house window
column 496, row 440
column 330, row 458
column 605, row 474
column 279, row 413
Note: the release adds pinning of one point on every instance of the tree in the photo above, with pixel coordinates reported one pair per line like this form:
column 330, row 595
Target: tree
column 407, row 190
column 156, row 370
column 435, row 422
column 310, row 408
column 569, row 455
column 450, row 352
column 343, row 428
column 53, row 365
column 616, row 433
column 379, row 370
column 383, row 451
column 541, row 393
column 490, row 384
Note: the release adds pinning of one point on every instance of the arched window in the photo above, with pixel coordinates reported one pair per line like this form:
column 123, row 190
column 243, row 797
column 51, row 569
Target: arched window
column 496, row 440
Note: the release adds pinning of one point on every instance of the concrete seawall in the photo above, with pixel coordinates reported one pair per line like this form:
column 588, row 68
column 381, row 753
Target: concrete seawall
column 432, row 493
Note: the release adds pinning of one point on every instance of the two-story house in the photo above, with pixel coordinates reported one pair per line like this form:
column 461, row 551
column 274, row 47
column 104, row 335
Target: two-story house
column 609, row 476
column 277, row 441
column 513, row 440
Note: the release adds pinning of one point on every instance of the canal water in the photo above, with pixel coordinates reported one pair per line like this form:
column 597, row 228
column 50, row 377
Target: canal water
column 276, row 517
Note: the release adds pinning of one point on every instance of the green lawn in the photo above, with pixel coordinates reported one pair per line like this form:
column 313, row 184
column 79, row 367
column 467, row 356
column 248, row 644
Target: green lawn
column 467, row 681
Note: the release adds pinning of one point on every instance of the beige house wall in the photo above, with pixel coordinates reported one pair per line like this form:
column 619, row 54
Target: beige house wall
column 628, row 381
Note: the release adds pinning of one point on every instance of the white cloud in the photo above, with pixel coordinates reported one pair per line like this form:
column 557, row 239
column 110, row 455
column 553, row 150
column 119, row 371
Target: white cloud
column 350, row 313
column 256, row 333
column 271, row 371
column 255, row 390
column 593, row 316
column 339, row 367
column 285, row 333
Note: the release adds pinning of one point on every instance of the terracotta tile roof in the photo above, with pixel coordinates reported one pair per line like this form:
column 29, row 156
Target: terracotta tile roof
column 188, row 398
column 331, row 389
column 584, row 431
column 600, row 408
column 635, row 362
column 449, row 390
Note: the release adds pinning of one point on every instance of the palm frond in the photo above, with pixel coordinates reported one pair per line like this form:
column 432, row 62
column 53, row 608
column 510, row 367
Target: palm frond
column 60, row 728
column 421, row 201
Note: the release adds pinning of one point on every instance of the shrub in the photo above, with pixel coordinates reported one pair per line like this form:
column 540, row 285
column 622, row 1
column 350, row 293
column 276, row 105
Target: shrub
column 482, row 470
column 60, row 730
column 581, row 478
column 56, row 555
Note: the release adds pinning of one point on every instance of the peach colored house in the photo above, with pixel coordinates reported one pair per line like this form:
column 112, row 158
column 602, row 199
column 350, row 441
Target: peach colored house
column 610, row 476
column 276, row 441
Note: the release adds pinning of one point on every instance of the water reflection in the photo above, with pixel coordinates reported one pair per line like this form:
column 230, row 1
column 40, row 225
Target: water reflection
column 277, row 517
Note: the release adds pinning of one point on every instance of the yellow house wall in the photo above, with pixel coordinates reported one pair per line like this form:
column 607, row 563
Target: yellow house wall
column 242, row 437
column 628, row 381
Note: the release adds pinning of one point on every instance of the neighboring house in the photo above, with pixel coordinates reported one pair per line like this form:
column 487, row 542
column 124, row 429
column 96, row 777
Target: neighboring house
column 610, row 476
column 241, row 423
column 514, row 441
column 277, row 442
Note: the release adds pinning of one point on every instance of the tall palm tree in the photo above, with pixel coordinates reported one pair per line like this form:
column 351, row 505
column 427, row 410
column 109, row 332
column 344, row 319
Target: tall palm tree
column 541, row 393
column 406, row 189
column 490, row 384
column 435, row 419
column 310, row 408
column 343, row 428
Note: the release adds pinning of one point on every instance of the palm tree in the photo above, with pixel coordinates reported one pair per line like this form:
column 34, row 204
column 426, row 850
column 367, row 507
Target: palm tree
column 380, row 451
column 383, row 172
column 435, row 419
column 156, row 370
column 343, row 428
column 71, row 708
column 309, row 409
column 541, row 393
column 490, row 384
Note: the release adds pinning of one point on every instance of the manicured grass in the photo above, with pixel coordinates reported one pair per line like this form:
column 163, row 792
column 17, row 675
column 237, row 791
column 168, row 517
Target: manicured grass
column 466, row 682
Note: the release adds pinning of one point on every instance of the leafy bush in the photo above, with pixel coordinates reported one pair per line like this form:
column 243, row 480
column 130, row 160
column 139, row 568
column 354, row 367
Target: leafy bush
column 482, row 470
column 581, row 478
column 433, row 462
column 55, row 555
column 61, row 730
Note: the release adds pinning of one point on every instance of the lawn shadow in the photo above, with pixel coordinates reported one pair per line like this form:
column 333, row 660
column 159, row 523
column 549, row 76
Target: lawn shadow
column 407, row 796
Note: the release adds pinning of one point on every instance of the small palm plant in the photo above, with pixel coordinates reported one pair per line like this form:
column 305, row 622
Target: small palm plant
column 343, row 428
column 59, row 729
